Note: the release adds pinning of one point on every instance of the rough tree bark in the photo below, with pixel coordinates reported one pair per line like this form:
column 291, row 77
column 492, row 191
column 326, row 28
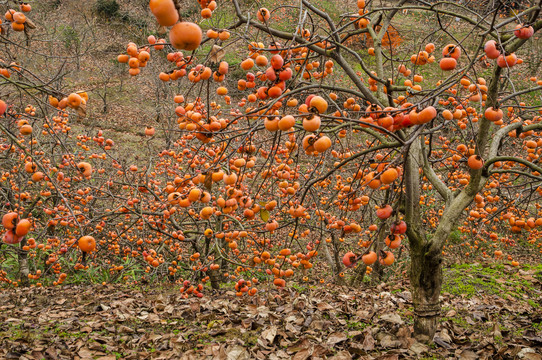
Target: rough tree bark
column 425, row 266
column 23, row 263
column 425, row 283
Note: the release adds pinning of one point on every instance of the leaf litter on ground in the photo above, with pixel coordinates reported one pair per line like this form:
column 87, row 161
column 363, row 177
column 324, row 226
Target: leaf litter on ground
column 121, row 322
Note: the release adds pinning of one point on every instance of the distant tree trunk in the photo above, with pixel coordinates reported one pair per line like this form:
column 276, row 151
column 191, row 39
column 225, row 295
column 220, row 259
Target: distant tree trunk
column 378, row 269
column 214, row 276
column 357, row 279
column 335, row 261
column 23, row 263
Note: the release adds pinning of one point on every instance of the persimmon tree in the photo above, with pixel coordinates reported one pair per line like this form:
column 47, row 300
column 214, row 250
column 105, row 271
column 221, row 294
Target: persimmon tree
column 328, row 142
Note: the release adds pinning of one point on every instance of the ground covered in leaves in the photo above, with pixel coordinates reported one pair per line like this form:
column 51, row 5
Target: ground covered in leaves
column 489, row 312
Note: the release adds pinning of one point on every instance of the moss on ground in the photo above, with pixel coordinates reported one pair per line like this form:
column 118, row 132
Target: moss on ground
column 490, row 279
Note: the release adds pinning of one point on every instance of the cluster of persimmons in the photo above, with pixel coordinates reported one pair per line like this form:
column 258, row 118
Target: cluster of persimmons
column 17, row 19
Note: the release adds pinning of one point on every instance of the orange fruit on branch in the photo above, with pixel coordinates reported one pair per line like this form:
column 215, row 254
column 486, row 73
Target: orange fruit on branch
column 164, row 11
column 322, row 144
column 369, row 258
column 451, row 50
column 185, row 36
column 349, row 259
column 74, row 100
column 87, row 244
column 3, row 107
column 491, row 50
column 389, row 176
column 263, row 14
column 386, row 257
column 9, row 220
column 85, row 168
column 448, row 63
column 384, row 212
column 10, row 237
column 23, row 227
column 475, row 162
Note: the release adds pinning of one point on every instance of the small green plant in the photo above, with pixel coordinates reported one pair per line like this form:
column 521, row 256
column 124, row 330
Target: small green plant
column 299, row 287
column 70, row 37
column 107, row 8
column 455, row 237
column 356, row 325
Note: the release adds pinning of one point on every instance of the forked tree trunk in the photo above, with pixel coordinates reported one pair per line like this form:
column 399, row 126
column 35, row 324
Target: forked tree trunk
column 425, row 284
column 425, row 265
column 426, row 252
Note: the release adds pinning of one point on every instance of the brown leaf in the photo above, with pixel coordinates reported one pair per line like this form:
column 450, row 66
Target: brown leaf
column 85, row 353
column 388, row 357
column 29, row 24
column 466, row 355
column 368, row 342
column 532, row 356
column 388, row 342
column 419, row 348
column 237, row 352
column 125, row 330
column 392, row 318
column 195, row 306
column 342, row 355
column 161, row 30
column 336, row 338
column 440, row 341
column 13, row 355
column 86, row 329
column 37, row 354
column 320, row 351
column 356, row 348
column 269, row 334
column 216, row 54
column 51, row 353
column 81, row 111
column 323, row 306
column 303, row 354
column 300, row 345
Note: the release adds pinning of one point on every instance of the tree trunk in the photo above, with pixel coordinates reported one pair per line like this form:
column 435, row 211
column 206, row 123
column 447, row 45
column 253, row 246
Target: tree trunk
column 425, row 265
column 378, row 269
column 214, row 276
column 357, row 279
column 335, row 259
column 333, row 264
column 23, row 263
column 425, row 284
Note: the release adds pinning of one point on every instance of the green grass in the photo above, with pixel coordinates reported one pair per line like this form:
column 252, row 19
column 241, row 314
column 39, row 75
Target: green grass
column 356, row 325
column 481, row 279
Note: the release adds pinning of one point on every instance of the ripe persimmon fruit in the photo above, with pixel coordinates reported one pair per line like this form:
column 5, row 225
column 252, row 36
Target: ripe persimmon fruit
column 164, row 11
column 185, row 36
column 87, row 244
